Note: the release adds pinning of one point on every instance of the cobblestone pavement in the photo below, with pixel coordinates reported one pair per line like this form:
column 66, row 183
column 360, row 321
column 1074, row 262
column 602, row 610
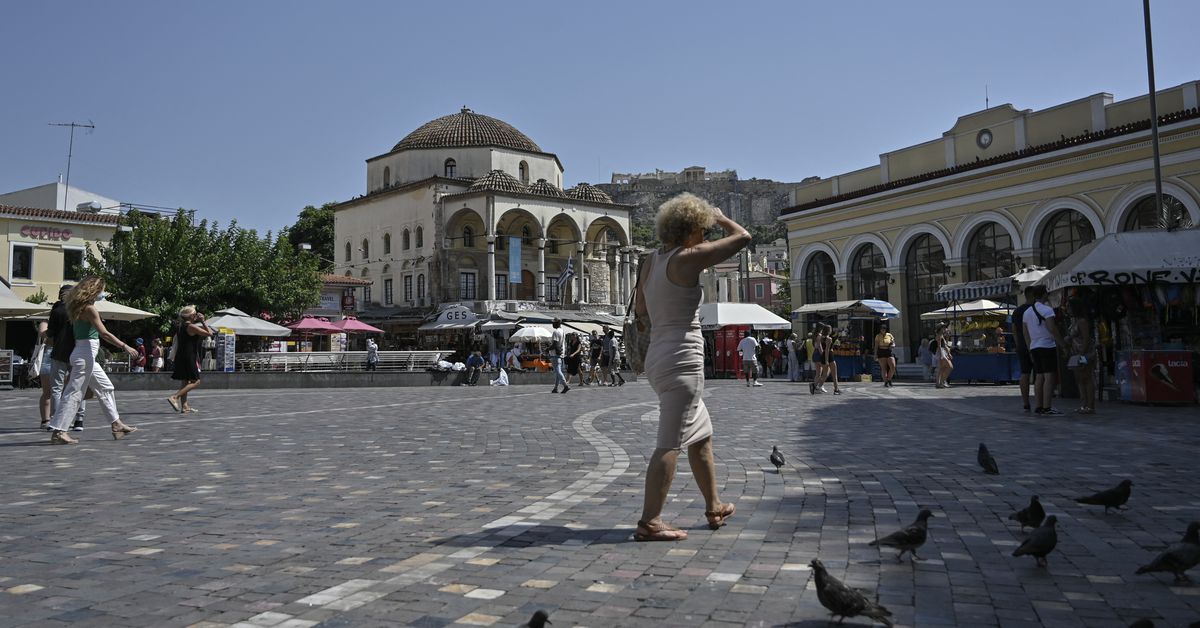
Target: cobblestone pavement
column 475, row 506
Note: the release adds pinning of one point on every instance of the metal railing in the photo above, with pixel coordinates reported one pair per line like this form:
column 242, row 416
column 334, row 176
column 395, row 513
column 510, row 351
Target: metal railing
column 396, row 361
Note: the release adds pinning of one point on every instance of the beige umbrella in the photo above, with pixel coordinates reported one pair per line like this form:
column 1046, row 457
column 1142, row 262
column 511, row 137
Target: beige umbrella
column 12, row 307
column 112, row 311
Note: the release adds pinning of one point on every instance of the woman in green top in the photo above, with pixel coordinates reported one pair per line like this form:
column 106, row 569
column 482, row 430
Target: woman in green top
column 85, row 372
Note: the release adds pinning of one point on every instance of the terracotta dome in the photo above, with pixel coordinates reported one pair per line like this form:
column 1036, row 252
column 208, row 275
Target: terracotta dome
column 498, row 181
column 588, row 192
column 545, row 188
column 467, row 128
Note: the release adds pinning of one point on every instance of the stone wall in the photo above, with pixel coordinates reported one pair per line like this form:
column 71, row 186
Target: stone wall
column 750, row 202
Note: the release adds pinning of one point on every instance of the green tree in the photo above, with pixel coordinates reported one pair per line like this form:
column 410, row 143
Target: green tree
column 160, row 264
column 314, row 226
column 39, row 297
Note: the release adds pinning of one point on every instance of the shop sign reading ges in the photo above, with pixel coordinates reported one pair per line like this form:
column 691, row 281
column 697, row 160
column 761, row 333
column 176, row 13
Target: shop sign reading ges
column 53, row 234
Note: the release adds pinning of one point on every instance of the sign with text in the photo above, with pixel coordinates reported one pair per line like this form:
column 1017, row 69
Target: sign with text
column 456, row 314
column 53, row 234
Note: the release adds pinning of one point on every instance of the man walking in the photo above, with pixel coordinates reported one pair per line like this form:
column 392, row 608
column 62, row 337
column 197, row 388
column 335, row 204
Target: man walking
column 558, row 344
column 1043, row 337
column 1022, row 344
column 748, row 350
column 612, row 349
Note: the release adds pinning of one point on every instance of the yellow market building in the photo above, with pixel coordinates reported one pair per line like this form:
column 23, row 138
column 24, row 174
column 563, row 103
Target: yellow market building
column 1001, row 190
column 44, row 248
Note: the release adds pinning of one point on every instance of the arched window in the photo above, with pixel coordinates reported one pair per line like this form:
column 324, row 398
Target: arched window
column 868, row 277
column 523, row 171
column 387, row 244
column 449, row 167
column 468, row 238
column 501, row 240
column 925, row 272
column 420, row 237
column 404, row 240
column 420, row 286
column 366, row 249
column 1145, row 216
column 347, row 251
column 990, row 254
column 525, row 239
column 820, row 286
column 387, row 176
column 1064, row 233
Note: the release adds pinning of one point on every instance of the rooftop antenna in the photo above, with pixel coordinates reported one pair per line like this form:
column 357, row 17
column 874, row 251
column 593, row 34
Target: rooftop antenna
column 71, row 151
column 987, row 103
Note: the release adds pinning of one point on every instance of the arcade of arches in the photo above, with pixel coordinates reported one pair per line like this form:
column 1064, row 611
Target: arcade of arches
column 990, row 251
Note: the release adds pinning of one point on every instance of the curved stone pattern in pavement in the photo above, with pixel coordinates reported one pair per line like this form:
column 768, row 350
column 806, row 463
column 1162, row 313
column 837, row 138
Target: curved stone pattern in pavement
column 476, row 506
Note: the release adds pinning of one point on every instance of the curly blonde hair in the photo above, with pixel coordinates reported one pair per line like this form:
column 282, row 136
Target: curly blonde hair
column 83, row 294
column 678, row 217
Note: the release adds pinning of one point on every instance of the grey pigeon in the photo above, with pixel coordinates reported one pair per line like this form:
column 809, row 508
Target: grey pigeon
column 777, row 458
column 1040, row 542
column 1112, row 498
column 539, row 620
column 908, row 539
column 987, row 461
column 1142, row 623
column 842, row 601
column 1178, row 557
column 1030, row 516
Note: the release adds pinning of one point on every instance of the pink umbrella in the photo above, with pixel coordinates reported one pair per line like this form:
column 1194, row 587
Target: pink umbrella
column 352, row 325
column 313, row 325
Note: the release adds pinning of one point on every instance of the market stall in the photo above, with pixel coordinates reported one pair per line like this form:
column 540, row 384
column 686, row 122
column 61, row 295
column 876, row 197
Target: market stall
column 856, row 323
column 723, row 326
column 1143, row 290
column 984, row 351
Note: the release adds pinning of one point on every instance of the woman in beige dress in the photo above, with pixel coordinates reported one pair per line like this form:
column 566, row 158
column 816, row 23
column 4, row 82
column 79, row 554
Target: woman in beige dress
column 669, row 293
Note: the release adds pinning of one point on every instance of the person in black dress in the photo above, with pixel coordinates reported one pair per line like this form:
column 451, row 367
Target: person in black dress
column 574, row 357
column 188, row 336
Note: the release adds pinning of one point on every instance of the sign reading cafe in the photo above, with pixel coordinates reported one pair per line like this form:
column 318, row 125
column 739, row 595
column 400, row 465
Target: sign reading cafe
column 45, row 233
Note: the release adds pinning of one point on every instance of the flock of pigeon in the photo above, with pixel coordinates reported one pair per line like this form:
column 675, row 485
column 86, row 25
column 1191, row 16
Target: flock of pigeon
column 843, row 601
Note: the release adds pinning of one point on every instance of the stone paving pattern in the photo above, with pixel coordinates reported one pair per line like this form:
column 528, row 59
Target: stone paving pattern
column 476, row 506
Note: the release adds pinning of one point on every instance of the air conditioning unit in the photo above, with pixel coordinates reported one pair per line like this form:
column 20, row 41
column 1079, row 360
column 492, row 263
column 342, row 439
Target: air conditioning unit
column 510, row 307
column 90, row 207
column 619, row 311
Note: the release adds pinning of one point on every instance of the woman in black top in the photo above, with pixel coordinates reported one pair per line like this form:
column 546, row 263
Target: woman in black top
column 574, row 357
column 188, row 336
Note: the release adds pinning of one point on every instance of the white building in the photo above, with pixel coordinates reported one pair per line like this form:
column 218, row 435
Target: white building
column 59, row 196
column 467, row 209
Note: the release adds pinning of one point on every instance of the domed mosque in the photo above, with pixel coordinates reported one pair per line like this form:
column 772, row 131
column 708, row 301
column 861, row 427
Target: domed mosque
column 465, row 219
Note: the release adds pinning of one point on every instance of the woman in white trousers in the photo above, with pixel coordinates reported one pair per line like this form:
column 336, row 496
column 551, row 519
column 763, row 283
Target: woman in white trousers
column 85, row 372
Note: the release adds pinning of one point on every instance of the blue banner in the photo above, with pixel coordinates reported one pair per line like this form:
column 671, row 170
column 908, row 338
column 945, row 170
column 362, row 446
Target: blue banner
column 514, row 260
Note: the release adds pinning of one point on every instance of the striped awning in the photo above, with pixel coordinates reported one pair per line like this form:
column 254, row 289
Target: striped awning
column 973, row 290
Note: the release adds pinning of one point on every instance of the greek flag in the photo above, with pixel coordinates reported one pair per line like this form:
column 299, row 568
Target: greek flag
column 567, row 273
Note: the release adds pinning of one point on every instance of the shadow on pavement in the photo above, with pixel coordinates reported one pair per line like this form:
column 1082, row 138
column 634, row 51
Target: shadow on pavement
column 539, row 535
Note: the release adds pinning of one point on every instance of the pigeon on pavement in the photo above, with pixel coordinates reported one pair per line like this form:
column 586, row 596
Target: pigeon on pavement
column 539, row 620
column 1178, row 557
column 1040, row 542
column 777, row 458
column 908, row 539
column 1030, row 516
column 987, row 461
column 842, row 601
column 1112, row 498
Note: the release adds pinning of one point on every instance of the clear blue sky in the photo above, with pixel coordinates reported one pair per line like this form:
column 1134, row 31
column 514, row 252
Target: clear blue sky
column 251, row 110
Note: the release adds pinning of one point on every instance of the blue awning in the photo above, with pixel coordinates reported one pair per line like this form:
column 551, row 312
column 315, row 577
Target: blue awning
column 973, row 290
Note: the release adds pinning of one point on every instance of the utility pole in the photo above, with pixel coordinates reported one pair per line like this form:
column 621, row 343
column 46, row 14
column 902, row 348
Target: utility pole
column 71, row 151
column 1165, row 214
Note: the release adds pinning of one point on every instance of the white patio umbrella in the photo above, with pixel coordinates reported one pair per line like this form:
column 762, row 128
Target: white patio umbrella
column 12, row 307
column 531, row 334
column 243, row 324
column 112, row 311
column 1028, row 276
